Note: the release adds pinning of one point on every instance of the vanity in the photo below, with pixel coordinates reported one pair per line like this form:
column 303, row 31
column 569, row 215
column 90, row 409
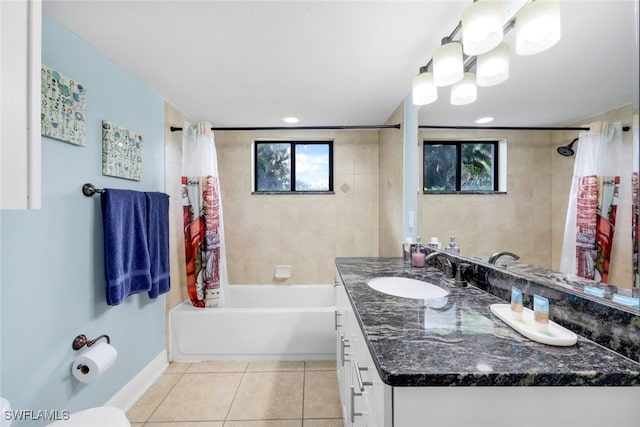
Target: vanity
column 449, row 361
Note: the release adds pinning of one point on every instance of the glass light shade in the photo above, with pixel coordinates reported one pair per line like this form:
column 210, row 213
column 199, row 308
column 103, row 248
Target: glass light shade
column 538, row 26
column 492, row 68
column 482, row 27
column 448, row 67
column 424, row 90
column 465, row 91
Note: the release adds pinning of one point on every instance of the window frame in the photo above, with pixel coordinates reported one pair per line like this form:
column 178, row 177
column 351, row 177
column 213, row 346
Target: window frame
column 293, row 143
column 499, row 165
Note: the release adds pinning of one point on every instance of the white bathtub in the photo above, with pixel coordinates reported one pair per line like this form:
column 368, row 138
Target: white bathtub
column 263, row 322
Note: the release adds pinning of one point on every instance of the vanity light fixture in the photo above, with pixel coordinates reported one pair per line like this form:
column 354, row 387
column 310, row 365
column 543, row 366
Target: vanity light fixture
column 423, row 88
column 465, row 91
column 448, row 64
column 492, row 68
column 482, row 27
column 291, row 120
column 537, row 26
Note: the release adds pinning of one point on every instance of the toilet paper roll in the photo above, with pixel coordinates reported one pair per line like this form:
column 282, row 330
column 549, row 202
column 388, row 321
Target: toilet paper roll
column 94, row 362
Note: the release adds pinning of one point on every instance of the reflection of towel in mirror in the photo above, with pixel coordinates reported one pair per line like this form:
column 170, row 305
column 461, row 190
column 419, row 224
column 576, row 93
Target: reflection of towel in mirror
column 126, row 253
column 158, row 242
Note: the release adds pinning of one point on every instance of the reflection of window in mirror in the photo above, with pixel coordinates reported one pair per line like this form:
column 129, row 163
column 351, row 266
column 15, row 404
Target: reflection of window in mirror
column 469, row 166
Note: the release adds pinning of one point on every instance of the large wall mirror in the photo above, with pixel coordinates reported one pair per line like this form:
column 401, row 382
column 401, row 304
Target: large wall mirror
column 590, row 75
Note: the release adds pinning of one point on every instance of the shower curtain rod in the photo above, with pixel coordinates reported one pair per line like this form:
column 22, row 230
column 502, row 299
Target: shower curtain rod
column 624, row 128
column 396, row 126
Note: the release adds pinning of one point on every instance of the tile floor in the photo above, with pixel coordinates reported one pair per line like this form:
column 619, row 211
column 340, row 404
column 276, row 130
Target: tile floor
column 241, row 394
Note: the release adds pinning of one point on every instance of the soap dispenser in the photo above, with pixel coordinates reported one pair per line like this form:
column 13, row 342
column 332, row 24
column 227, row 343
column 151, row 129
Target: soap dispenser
column 452, row 248
column 417, row 256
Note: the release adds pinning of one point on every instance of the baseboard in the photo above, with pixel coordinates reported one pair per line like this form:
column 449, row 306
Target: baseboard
column 128, row 395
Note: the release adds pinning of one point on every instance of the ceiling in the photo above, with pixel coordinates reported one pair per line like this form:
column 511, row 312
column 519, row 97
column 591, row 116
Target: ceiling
column 251, row 63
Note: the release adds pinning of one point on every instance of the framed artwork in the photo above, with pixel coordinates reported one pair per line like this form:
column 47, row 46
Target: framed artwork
column 63, row 112
column 121, row 152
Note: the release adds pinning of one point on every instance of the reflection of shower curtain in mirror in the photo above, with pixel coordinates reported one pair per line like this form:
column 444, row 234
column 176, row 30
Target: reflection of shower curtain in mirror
column 635, row 204
column 202, row 215
column 591, row 215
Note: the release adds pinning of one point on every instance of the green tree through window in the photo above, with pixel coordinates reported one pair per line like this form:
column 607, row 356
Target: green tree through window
column 273, row 167
column 293, row 166
column 459, row 166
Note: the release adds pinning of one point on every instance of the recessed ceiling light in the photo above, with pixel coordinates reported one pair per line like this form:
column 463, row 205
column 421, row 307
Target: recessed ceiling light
column 290, row 120
column 484, row 120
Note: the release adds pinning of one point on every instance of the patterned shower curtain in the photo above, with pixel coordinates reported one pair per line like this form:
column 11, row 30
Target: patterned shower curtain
column 202, row 215
column 593, row 201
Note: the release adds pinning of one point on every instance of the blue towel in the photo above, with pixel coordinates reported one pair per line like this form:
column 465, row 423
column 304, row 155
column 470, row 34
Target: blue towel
column 158, row 242
column 126, row 253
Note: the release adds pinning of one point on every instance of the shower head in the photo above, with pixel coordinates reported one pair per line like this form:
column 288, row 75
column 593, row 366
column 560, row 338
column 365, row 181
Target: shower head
column 567, row 150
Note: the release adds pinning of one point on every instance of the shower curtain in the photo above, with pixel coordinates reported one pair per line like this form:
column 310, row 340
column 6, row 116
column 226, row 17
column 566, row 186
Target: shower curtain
column 202, row 215
column 591, row 214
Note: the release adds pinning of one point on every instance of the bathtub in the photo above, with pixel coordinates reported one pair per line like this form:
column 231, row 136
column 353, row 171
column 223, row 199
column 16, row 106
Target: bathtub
column 262, row 322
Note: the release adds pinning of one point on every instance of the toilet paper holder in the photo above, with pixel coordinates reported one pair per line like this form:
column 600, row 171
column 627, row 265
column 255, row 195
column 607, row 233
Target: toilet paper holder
column 81, row 340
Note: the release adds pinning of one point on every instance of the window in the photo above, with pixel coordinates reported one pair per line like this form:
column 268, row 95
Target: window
column 461, row 166
column 293, row 166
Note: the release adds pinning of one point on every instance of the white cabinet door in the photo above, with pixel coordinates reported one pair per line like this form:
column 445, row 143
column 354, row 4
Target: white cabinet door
column 343, row 352
column 376, row 395
column 20, row 48
column 366, row 400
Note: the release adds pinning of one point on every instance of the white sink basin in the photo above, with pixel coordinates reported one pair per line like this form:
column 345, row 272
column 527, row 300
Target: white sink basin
column 407, row 288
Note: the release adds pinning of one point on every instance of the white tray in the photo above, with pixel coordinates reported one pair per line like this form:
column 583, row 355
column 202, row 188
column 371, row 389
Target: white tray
column 557, row 335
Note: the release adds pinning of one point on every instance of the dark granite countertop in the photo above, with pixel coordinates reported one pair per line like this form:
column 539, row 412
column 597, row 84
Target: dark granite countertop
column 460, row 342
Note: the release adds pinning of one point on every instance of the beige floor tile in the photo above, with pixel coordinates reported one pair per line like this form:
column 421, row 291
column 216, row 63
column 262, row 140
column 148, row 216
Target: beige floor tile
column 186, row 424
column 144, row 407
column 268, row 396
column 218, row 367
column 269, row 366
column 320, row 365
column 177, row 368
column 137, row 424
column 322, row 423
column 199, row 397
column 264, row 423
column 321, row 399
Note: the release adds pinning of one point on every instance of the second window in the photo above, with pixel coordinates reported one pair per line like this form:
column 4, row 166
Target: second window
column 460, row 166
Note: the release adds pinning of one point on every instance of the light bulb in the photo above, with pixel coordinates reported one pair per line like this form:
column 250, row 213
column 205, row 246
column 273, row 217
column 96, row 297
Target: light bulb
column 538, row 26
column 482, row 27
column 492, row 68
column 465, row 91
column 424, row 90
column 448, row 67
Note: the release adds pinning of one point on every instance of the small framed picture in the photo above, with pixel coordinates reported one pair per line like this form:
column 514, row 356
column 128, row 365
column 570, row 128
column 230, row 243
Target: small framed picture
column 63, row 112
column 121, row 152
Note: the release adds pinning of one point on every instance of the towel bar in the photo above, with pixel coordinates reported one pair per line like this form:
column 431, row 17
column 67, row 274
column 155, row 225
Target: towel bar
column 89, row 190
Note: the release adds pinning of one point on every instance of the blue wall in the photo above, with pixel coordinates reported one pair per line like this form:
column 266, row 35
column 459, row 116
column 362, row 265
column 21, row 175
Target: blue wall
column 51, row 268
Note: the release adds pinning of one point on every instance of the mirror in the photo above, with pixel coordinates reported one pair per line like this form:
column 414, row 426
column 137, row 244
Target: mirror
column 595, row 84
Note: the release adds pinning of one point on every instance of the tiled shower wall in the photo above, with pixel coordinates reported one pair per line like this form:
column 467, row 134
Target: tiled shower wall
column 304, row 231
column 518, row 221
column 262, row 231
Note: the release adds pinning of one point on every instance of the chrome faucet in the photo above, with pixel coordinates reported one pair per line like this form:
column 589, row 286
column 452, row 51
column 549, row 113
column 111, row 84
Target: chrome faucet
column 448, row 271
column 494, row 258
